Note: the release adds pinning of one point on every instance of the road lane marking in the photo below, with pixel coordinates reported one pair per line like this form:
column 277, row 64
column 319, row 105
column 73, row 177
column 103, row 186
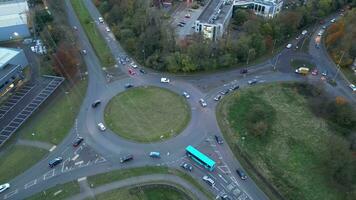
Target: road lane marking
column 10, row 194
column 75, row 157
column 78, row 150
column 100, row 160
column 63, row 164
column 30, row 184
column 49, row 174
column 53, row 148
column 79, row 162
column 57, row 193
column 222, row 178
column 82, row 179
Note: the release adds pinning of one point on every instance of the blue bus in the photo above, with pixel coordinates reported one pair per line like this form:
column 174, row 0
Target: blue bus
column 200, row 158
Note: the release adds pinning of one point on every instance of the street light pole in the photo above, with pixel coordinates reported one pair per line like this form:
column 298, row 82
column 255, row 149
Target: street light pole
column 274, row 66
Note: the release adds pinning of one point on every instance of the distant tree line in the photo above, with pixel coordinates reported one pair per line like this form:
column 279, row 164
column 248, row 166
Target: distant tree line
column 145, row 33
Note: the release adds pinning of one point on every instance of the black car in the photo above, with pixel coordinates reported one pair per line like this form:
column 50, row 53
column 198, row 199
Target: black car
column 77, row 141
column 55, row 162
column 218, row 139
column 187, row 166
column 95, row 104
column 126, row 158
column 241, row 174
column 225, row 197
column 224, row 92
column 142, row 71
column 243, row 71
column 128, row 85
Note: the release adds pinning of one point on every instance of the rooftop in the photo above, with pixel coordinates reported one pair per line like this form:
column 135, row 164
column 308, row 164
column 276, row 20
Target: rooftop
column 13, row 12
column 6, row 55
column 216, row 12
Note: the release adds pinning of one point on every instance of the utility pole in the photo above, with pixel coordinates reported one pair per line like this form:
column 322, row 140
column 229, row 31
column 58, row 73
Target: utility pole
column 274, row 66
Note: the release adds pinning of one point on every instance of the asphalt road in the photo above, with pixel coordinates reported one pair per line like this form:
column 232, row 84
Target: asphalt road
column 101, row 150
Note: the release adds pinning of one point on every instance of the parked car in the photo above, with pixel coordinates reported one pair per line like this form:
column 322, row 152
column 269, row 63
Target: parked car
column 126, row 158
column 55, row 162
column 75, row 28
column 4, row 187
column 133, row 65
column 165, row 80
column 224, row 92
column 324, row 73
column 96, row 103
column 77, row 141
column 241, row 174
column 187, row 166
column 128, row 85
column 107, row 29
column 304, row 32
column 155, row 154
column 84, row 52
column 202, row 102
column 101, row 20
column 132, row 72
column 333, row 20
column 225, row 197
column 219, row 140
column 180, row 25
column 289, row 46
column 251, row 82
column 186, row 95
column 209, row 180
column 315, row 72
column 101, row 126
column 234, row 87
column 243, row 71
column 142, row 71
column 217, row 98
column 353, row 87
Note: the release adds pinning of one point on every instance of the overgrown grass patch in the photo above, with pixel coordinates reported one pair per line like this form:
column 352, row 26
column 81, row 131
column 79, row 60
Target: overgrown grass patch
column 58, row 192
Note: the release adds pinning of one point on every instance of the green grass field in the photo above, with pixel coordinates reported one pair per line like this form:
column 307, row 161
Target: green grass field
column 16, row 159
column 54, row 120
column 67, row 190
column 293, row 154
column 302, row 63
column 96, row 40
column 144, row 114
column 146, row 192
column 105, row 178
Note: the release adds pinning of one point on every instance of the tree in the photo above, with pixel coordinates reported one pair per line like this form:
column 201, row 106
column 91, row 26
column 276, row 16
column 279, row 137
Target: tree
column 240, row 17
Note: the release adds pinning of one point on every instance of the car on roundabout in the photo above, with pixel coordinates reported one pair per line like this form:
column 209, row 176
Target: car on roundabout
column 186, row 95
column 128, row 85
column 353, row 87
column 55, row 162
column 77, row 141
column 96, row 103
column 202, row 102
column 101, row 126
column 208, row 180
column 155, row 154
column 187, row 166
column 126, row 158
column 241, row 174
column 252, row 82
column 4, row 187
column 217, row 97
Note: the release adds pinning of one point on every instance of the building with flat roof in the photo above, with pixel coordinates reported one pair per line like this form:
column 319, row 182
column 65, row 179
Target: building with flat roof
column 12, row 63
column 217, row 14
column 13, row 19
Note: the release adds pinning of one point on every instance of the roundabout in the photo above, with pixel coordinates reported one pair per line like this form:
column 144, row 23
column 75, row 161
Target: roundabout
column 147, row 114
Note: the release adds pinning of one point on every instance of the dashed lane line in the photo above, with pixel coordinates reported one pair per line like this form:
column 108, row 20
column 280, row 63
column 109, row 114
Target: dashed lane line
column 53, row 148
column 75, row 157
column 10, row 194
column 82, row 179
column 30, row 184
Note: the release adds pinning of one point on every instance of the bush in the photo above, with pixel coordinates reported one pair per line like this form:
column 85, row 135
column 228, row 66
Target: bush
column 259, row 119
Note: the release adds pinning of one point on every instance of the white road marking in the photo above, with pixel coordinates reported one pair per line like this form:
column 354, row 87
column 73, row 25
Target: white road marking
column 49, row 174
column 223, row 186
column 75, row 157
column 222, row 178
column 78, row 163
column 234, row 180
column 78, row 150
column 53, row 148
column 81, row 164
column 11, row 194
column 82, row 179
column 57, row 193
column 100, row 160
column 30, row 184
column 64, row 162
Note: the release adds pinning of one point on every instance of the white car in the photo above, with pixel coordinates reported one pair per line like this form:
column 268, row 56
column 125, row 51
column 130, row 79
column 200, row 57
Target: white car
column 4, row 187
column 101, row 20
column 304, row 32
column 289, row 46
column 107, row 29
column 186, row 95
column 165, row 80
column 101, row 127
column 353, row 87
column 333, row 20
column 202, row 103
column 208, row 180
column 133, row 65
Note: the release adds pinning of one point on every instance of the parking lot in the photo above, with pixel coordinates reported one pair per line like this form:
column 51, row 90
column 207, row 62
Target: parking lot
column 15, row 111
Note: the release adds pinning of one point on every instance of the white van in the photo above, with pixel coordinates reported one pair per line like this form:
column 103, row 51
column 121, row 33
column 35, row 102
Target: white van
column 289, row 46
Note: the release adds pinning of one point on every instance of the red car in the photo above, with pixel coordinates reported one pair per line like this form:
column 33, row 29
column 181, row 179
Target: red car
column 315, row 72
column 132, row 72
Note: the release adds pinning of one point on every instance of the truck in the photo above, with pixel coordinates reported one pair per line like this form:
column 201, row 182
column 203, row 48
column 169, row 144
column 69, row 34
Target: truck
column 302, row 70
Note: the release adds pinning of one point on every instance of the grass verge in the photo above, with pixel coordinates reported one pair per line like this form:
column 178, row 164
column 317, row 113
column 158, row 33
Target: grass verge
column 15, row 160
column 58, row 192
column 96, row 40
column 57, row 116
column 294, row 155
column 105, row 178
column 148, row 192
column 145, row 114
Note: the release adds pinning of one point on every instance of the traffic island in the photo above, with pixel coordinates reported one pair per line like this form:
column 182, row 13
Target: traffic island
column 147, row 114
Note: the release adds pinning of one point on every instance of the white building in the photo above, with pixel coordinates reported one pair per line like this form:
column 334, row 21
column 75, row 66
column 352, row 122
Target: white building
column 12, row 62
column 13, row 19
column 217, row 14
